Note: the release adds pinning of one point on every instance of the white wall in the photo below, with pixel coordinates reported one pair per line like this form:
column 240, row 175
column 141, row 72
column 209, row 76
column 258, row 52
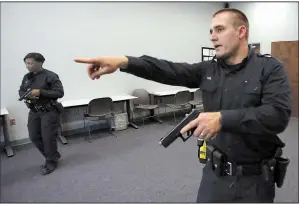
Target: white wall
column 270, row 22
column 63, row 31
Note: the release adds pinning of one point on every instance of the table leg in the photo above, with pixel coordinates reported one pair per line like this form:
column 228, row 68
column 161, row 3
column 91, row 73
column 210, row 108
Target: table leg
column 8, row 147
column 128, row 107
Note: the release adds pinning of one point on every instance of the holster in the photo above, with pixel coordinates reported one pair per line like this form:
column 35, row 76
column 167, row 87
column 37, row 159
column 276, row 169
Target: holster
column 280, row 168
column 29, row 105
column 275, row 169
column 58, row 107
column 217, row 160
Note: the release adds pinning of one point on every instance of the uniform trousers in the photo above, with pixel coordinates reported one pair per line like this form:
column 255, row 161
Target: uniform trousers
column 43, row 130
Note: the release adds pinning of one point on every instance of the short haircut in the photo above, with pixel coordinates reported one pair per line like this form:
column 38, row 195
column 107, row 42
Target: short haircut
column 36, row 56
column 239, row 18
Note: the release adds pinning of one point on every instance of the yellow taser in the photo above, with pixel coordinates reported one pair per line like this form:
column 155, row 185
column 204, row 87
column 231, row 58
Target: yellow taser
column 202, row 150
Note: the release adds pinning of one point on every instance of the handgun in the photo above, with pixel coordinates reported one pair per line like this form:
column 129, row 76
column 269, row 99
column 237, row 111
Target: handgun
column 175, row 132
column 24, row 96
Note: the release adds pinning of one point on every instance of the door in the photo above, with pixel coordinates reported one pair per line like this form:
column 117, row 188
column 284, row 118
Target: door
column 287, row 53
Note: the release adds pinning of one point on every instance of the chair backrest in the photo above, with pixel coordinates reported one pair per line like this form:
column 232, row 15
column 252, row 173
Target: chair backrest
column 100, row 106
column 142, row 95
column 182, row 97
column 198, row 95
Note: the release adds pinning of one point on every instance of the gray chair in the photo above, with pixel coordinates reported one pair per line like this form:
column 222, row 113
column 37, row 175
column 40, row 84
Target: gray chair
column 197, row 100
column 99, row 109
column 142, row 102
column 181, row 101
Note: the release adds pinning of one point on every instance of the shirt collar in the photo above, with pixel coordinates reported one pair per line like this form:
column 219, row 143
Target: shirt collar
column 251, row 52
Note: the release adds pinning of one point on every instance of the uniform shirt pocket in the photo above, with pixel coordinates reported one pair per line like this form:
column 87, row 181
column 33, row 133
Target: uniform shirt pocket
column 252, row 93
column 209, row 95
column 208, row 86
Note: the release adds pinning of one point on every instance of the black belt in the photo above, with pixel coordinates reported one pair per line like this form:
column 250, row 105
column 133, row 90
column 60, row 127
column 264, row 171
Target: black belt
column 232, row 169
column 43, row 108
column 223, row 167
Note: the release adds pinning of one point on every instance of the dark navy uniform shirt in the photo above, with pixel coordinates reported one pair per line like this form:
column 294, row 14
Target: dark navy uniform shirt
column 254, row 98
column 47, row 81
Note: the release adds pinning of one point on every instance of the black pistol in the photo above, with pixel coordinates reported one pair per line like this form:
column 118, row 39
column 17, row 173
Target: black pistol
column 175, row 132
column 24, row 96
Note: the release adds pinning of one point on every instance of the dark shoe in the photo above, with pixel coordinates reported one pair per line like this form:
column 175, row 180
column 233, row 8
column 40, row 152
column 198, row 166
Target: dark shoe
column 58, row 156
column 48, row 168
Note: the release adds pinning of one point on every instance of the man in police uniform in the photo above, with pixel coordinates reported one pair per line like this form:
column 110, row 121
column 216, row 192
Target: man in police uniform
column 44, row 116
column 246, row 97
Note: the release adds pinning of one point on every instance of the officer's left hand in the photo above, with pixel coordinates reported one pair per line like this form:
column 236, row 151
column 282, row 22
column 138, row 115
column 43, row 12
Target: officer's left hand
column 35, row 92
column 207, row 125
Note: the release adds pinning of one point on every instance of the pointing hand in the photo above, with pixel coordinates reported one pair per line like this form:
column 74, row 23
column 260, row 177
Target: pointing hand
column 102, row 65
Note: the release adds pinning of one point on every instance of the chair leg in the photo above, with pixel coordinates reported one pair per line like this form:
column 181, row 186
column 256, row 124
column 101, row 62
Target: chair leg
column 133, row 115
column 89, row 133
column 84, row 123
column 159, row 114
column 174, row 116
column 84, row 119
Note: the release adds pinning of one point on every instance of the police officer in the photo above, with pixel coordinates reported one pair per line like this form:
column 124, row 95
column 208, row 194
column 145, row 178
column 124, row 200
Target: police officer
column 246, row 97
column 44, row 116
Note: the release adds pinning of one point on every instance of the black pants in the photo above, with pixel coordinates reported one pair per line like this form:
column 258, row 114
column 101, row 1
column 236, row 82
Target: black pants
column 43, row 130
column 229, row 189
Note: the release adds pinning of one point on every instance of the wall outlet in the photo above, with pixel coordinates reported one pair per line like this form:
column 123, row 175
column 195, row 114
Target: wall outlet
column 12, row 122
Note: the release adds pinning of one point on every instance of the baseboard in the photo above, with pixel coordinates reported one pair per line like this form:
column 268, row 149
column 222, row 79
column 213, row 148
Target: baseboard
column 20, row 142
column 100, row 126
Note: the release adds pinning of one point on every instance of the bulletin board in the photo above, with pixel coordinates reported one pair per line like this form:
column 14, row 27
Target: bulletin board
column 207, row 53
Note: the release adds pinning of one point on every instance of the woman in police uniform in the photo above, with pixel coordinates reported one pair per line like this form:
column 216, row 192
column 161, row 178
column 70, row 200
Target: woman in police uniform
column 45, row 88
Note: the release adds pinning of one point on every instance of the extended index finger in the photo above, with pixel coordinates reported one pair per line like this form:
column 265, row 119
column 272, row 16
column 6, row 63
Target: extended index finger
column 85, row 60
column 193, row 124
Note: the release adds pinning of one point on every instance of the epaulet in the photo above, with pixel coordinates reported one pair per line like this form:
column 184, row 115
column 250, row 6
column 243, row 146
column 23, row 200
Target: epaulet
column 270, row 57
column 264, row 55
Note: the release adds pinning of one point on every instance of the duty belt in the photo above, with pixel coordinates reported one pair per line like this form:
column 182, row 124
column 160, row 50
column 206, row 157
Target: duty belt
column 222, row 167
column 271, row 169
column 43, row 107
column 232, row 169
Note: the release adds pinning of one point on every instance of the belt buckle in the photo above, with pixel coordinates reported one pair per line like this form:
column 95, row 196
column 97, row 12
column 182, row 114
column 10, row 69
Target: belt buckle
column 229, row 168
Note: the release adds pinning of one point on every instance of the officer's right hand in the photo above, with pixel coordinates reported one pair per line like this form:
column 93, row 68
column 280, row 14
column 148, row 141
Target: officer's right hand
column 102, row 65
